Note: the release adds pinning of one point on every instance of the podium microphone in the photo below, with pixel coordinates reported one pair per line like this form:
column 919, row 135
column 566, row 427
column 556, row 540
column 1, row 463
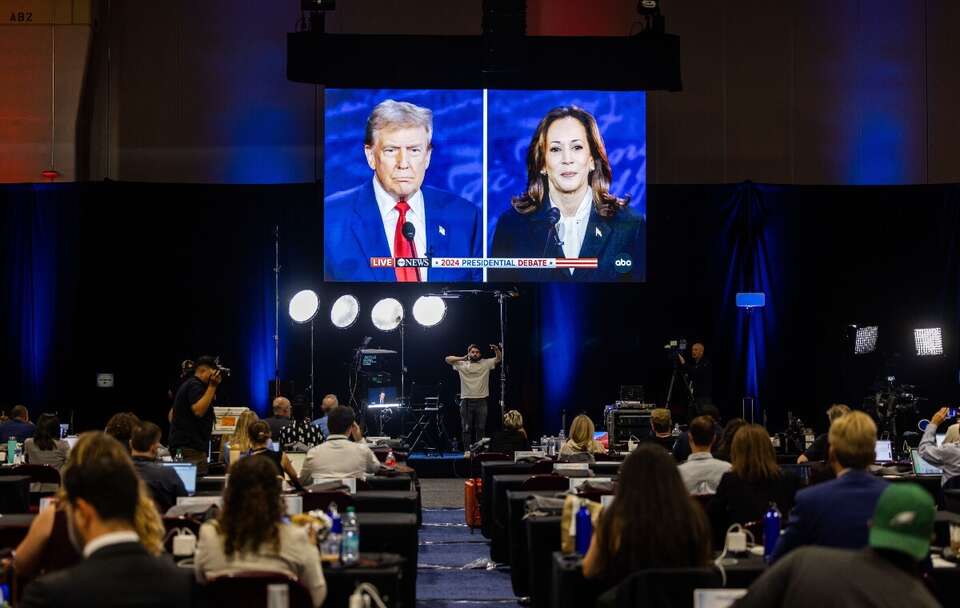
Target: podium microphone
column 410, row 231
column 553, row 218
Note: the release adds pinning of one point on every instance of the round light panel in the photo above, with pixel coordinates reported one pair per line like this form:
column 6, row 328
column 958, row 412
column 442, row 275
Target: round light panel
column 344, row 311
column 429, row 310
column 387, row 314
column 304, row 305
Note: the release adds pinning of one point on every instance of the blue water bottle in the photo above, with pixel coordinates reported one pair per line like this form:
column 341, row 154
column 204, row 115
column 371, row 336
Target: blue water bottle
column 771, row 531
column 584, row 529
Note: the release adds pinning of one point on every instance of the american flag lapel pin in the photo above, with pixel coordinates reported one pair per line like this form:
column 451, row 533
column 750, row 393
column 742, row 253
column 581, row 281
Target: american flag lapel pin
column 597, row 233
column 442, row 230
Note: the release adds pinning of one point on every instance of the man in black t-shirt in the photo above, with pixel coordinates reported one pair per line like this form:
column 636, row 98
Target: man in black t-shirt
column 700, row 375
column 192, row 421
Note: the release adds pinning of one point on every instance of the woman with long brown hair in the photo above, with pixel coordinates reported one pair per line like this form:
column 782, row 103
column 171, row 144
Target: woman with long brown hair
column 652, row 522
column 581, row 439
column 754, row 481
column 567, row 209
column 250, row 534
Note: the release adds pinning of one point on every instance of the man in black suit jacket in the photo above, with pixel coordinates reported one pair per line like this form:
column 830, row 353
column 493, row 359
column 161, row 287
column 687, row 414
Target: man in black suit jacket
column 117, row 570
column 164, row 483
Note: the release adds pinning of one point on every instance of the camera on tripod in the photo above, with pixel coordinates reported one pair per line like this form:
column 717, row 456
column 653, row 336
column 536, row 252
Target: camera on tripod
column 674, row 348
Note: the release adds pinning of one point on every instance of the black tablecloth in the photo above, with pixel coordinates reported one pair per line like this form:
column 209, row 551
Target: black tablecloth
column 384, row 571
column 487, row 471
column 400, row 482
column 393, row 533
column 387, row 501
column 14, row 494
column 517, row 539
column 13, row 528
column 499, row 541
column 543, row 538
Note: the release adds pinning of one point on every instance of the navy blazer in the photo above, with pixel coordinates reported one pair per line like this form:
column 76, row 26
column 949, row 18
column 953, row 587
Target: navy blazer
column 834, row 513
column 353, row 233
column 607, row 239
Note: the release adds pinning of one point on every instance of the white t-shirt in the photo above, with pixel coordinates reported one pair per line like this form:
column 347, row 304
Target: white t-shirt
column 475, row 378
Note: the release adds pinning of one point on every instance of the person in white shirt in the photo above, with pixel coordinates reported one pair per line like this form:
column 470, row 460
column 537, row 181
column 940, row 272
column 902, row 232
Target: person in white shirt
column 250, row 535
column 474, row 389
column 339, row 457
column 701, row 472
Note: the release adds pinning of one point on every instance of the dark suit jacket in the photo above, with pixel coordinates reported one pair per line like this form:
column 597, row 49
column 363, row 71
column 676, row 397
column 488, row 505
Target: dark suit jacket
column 833, row 514
column 520, row 236
column 116, row 575
column 164, row 483
column 353, row 233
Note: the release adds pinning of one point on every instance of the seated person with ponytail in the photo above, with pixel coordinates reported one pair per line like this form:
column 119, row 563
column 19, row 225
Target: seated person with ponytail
column 260, row 447
column 250, row 534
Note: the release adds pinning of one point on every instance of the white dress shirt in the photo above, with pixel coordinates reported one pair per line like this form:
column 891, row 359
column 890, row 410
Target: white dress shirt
column 416, row 215
column 572, row 230
column 338, row 458
column 111, row 538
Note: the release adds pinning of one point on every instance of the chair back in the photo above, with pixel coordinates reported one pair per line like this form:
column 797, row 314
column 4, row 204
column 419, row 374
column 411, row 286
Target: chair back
column 321, row 500
column 671, row 587
column 38, row 473
column 249, row 589
column 476, row 459
column 549, row 482
column 951, row 500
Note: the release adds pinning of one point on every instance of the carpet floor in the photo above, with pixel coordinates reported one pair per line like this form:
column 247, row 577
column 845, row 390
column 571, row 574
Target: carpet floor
column 447, row 572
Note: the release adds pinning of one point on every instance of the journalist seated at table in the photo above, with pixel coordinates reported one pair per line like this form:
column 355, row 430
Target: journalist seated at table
column 339, row 457
column 513, row 437
column 753, row 483
column 103, row 498
column 887, row 573
column 836, row 513
column 250, row 535
column 701, row 472
column 653, row 522
column 817, row 451
column 581, row 439
column 164, row 483
column 724, row 445
column 46, row 447
column 18, row 426
column 239, row 441
column 301, row 434
column 121, row 427
column 260, row 439
column 661, row 427
column 946, row 456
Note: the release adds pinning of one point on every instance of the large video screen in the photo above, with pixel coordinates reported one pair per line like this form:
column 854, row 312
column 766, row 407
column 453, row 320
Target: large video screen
column 484, row 186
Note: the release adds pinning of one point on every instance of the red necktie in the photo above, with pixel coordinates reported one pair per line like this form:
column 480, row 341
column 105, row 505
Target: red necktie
column 402, row 248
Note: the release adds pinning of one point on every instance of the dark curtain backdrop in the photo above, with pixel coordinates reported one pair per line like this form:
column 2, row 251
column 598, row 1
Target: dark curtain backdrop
column 131, row 278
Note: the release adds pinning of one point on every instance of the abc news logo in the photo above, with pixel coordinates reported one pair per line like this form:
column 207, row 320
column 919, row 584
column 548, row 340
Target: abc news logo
column 400, row 262
column 623, row 264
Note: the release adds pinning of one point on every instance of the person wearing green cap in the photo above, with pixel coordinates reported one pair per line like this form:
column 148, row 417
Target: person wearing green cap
column 886, row 573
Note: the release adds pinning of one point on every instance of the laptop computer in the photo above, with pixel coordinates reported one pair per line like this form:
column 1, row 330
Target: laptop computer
column 188, row 474
column 296, row 459
column 922, row 468
column 884, row 451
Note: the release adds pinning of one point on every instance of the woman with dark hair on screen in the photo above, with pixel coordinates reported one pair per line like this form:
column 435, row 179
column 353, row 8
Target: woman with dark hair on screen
column 652, row 522
column 567, row 210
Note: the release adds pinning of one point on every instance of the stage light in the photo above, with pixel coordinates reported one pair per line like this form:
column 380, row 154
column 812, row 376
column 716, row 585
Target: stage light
column 387, row 314
column 865, row 340
column 344, row 311
column 304, row 305
column 429, row 310
column 929, row 341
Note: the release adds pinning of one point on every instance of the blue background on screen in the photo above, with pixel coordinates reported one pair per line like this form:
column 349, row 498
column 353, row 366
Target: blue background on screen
column 457, row 161
column 512, row 118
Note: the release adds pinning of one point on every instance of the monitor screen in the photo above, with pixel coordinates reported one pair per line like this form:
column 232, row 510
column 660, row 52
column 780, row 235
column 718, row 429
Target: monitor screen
column 490, row 185
column 383, row 395
column 187, row 473
column 921, row 466
column 884, row 451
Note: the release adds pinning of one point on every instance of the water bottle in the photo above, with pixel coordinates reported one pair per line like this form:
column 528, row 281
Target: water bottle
column 390, row 461
column 350, row 546
column 179, row 456
column 676, row 431
column 11, row 450
column 19, row 457
column 771, row 531
column 330, row 547
column 562, row 436
column 584, row 529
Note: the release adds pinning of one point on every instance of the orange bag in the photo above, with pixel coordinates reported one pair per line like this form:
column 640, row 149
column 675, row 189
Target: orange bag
column 471, row 501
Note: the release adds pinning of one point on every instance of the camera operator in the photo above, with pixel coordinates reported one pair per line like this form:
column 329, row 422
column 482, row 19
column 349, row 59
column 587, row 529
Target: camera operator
column 192, row 420
column 700, row 375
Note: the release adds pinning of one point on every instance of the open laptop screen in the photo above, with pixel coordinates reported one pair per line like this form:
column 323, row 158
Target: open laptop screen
column 921, row 466
column 187, row 472
column 884, row 451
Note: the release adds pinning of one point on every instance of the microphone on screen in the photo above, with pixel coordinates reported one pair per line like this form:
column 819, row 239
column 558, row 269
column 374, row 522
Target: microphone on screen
column 553, row 216
column 409, row 231
column 553, row 237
